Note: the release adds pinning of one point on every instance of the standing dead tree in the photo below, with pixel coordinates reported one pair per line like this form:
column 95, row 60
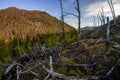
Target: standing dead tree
column 62, row 20
column 110, row 3
column 94, row 21
column 108, row 28
column 100, row 20
column 79, row 21
column 78, row 17
column 102, row 16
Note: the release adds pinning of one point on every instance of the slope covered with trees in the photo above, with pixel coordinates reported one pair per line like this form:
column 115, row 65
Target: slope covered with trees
column 16, row 22
column 25, row 28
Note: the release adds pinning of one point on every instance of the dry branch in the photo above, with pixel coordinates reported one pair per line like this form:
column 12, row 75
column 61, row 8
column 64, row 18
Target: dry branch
column 51, row 72
column 113, row 67
column 76, row 65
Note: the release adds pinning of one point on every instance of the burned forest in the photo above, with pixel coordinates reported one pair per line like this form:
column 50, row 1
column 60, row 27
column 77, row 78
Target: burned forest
column 67, row 40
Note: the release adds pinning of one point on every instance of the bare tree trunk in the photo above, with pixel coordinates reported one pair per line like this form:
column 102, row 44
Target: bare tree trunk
column 94, row 23
column 110, row 3
column 79, row 22
column 62, row 20
column 102, row 14
column 108, row 28
column 113, row 67
column 100, row 19
column 17, row 71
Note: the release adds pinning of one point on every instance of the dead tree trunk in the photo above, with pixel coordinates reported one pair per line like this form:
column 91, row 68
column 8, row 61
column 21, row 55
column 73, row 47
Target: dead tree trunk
column 112, row 69
column 110, row 3
column 102, row 15
column 62, row 20
column 52, row 73
column 100, row 20
column 79, row 21
column 108, row 28
column 94, row 23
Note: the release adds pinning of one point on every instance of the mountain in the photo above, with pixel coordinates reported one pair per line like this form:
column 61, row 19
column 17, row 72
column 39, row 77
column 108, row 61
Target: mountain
column 19, row 23
column 86, row 29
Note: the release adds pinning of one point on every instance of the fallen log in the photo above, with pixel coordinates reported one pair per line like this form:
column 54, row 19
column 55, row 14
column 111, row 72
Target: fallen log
column 75, row 65
column 52, row 73
column 113, row 67
column 9, row 68
column 98, row 41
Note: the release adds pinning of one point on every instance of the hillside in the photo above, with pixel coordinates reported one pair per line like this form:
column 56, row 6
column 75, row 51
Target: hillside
column 86, row 29
column 101, row 31
column 19, row 23
column 92, row 60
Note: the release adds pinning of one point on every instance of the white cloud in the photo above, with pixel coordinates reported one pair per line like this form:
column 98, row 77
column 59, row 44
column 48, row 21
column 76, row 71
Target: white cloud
column 93, row 9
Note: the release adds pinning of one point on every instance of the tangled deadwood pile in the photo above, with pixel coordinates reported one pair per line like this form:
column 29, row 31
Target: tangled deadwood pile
column 26, row 64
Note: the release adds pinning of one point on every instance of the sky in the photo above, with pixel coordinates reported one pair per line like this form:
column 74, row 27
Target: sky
column 89, row 8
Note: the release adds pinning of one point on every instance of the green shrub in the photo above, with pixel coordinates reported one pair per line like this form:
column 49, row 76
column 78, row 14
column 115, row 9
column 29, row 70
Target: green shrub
column 62, row 69
column 75, row 71
column 69, row 60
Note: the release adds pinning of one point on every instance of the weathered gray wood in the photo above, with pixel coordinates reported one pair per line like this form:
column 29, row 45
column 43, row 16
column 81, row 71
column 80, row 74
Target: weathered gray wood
column 94, row 21
column 47, row 77
column 102, row 16
column 76, row 65
column 28, row 69
column 51, row 67
column 113, row 67
column 52, row 73
column 110, row 3
column 9, row 77
column 9, row 68
column 17, row 71
column 34, row 73
column 98, row 40
column 108, row 28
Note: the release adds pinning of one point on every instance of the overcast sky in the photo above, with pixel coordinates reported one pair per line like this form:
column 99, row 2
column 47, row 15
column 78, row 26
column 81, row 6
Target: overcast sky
column 89, row 8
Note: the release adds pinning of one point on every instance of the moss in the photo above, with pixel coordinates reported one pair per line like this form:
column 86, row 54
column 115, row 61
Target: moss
column 117, row 35
column 69, row 60
column 62, row 69
column 78, row 71
column 72, row 72
column 75, row 71
column 87, row 70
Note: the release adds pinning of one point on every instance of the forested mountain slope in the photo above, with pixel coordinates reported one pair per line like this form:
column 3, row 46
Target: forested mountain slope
column 20, row 23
